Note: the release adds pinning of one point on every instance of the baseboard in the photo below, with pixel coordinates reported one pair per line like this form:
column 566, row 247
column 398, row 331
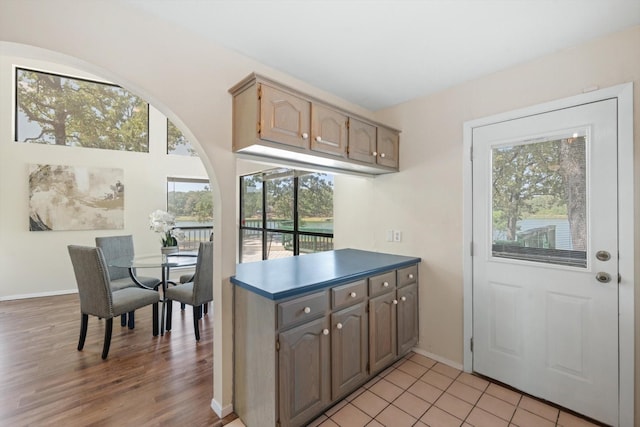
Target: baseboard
column 438, row 358
column 220, row 411
column 39, row 294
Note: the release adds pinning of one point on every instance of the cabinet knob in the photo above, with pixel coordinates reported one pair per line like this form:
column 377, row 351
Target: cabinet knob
column 385, row 284
column 319, row 138
column 375, row 153
column 410, row 276
column 395, row 301
column 307, row 310
column 382, row 155
column 352, row 294
column 339, row 326
column 403, row 298
column 305, row 135
column 325, row 332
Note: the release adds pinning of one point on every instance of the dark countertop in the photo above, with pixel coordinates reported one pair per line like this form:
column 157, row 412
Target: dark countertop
column 287, row 277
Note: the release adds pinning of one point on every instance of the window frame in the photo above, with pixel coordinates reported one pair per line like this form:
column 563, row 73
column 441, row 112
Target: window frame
column 264, row 228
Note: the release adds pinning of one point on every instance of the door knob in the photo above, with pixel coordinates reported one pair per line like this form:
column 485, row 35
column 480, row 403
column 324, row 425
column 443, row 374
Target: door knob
column 603, row 277
column 603, row 255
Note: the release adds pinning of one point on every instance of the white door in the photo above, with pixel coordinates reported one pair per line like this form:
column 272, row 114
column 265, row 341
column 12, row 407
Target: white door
column 545, row 265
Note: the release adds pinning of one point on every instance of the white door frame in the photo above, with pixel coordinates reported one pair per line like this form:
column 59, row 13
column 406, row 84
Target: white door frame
column 624, row 95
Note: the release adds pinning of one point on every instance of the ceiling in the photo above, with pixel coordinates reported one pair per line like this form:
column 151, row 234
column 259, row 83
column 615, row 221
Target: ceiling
column 379, row 53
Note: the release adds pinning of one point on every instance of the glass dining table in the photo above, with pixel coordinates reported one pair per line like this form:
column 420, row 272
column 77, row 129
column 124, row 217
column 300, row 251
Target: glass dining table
column 165, row 263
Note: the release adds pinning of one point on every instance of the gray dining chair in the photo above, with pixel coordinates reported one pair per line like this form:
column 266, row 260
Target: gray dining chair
column 98, row 299
column 197, row 292
column 122, row 247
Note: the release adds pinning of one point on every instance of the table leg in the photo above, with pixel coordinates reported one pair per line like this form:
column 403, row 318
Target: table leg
column 164, row 299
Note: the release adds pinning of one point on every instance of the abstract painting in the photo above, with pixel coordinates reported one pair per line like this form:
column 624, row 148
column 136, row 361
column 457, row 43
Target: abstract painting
column 75, row 198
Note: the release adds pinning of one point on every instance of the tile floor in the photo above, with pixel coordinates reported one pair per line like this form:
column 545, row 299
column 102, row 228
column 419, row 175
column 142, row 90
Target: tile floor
column 418, row 391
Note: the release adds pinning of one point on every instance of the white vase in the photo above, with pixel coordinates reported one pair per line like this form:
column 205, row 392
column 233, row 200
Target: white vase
column 166, row 250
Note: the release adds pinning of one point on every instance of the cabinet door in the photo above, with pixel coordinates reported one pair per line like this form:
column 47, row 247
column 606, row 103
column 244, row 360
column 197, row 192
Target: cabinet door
column 407, row 318
column 382, row 331
column 362, row 141
column 388, row 147
column 329, row 131
column 303, row 364
column 348, row 349
column 284, row 118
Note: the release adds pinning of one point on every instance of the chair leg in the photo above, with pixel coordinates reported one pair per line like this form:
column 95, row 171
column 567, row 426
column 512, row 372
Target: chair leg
column 182, row 305
column 123, row 319
column 205, row 306
column 169, row 312
column 132, row 320
column 107, row 337
column 197, row 314
column 84, row 320
column 155, row 319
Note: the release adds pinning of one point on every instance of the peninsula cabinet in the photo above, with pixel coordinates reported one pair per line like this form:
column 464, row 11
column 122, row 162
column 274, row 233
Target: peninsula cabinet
column 310, row 330
column 274, row 121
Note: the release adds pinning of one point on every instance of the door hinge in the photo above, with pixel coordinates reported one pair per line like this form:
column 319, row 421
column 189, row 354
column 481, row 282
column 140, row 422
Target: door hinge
column 259, row 127
column 259, row 92
column 277, row 345
column 368, row 368
column 471, row 248
column 471, row 153
column 471, row 343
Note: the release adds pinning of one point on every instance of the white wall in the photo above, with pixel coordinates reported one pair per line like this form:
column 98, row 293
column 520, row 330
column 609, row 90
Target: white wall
column 37, row 263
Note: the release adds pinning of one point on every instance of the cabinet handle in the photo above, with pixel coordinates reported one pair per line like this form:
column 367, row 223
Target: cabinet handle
column 339, row 326
column 395, row 301
column 319, row 138
column 385, row 284
column 305, row 135
column 403, row 299
column 410, row 276
column 325, row 332
column 375, row 153
column 352, row 294
column 307, row 310
column 382, row 155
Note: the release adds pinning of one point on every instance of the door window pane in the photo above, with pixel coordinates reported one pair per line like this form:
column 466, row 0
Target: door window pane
column 251, row 209
column 539, row 200
column 315, row 203
column 279, row 200
column 251, row 245
column 279, row 245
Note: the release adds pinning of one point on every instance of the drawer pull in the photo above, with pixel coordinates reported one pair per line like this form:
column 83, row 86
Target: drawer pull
column 385, row 284
column 352, row 294
column 403, row 299
column 410, row 276
column 307, row 310
column 339, row 326
column 325, row 332
column 395, row 301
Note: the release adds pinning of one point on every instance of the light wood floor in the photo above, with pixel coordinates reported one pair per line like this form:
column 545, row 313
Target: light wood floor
column 146, row 380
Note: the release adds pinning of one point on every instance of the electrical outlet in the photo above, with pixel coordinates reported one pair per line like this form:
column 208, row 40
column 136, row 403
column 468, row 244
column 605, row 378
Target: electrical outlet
column 397, row 236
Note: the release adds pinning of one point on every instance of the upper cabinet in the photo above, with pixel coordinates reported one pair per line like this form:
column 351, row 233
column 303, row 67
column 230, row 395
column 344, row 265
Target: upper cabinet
column 272, row 120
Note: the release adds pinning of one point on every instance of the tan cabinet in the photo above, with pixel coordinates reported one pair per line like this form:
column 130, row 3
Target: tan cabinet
column 273, row 120
column 297, row 356
column 329, row 130
column 284, row 118
column 349, row 347
column 303, row 366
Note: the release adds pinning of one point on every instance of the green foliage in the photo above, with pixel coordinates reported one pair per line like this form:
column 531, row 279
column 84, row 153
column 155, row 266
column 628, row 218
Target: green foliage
column 192, row 204
column 175, row 140
column 82, row 113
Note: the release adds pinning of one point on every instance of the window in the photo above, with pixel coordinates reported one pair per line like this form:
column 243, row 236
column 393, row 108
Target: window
column 191, row 201
column 285, row 213
column 60, row 110
column 177, row 143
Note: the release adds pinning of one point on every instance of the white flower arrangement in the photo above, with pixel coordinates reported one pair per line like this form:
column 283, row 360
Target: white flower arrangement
column 165, row 223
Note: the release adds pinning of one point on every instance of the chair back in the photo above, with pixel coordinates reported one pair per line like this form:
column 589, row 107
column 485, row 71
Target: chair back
column 92, row 278
column 203, row 279
column 116, row 247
